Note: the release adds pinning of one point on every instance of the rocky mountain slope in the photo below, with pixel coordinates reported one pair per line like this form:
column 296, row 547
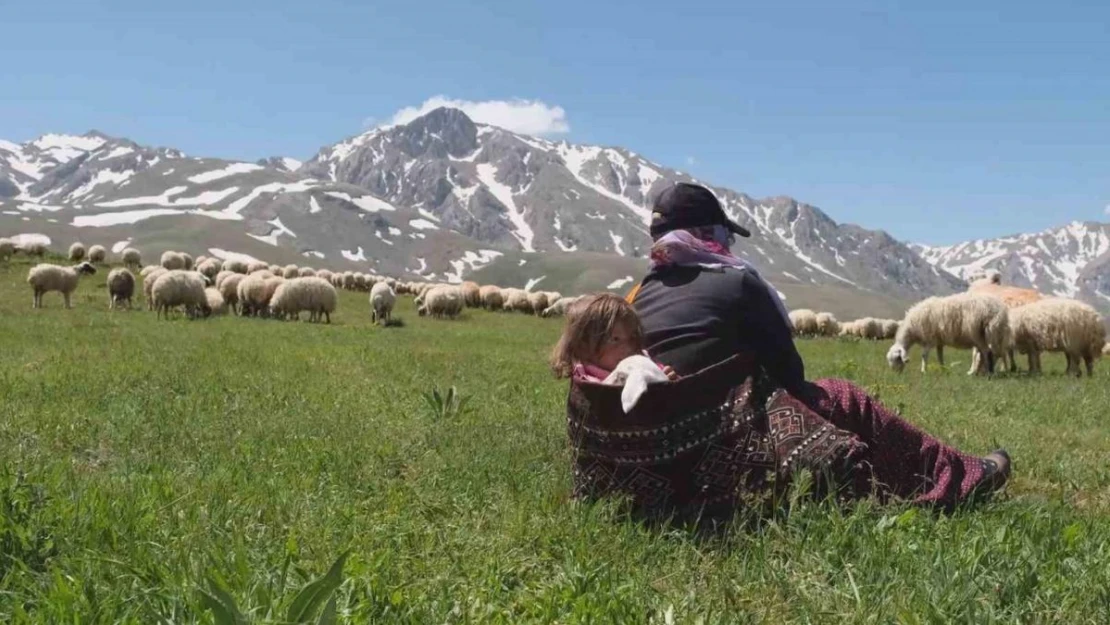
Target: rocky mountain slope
column 440, row 197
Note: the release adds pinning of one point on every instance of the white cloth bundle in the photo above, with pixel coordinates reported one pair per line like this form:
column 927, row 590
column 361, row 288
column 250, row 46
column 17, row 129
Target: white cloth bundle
column 635, row 373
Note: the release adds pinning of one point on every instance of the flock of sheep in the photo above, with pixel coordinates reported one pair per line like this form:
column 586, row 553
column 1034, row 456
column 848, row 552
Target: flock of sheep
column 991, row 319
column 208, row 286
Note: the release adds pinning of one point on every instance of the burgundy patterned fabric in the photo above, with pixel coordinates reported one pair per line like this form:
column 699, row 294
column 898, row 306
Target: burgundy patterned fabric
column 707, row 444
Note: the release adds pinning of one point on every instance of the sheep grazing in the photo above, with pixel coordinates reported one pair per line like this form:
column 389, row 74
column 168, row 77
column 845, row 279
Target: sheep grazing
column 444, row 302
column 172, row 261
column 32, row 248
column 289, row 271
column 1059, row 325
column 326, row 275
column 471, row 293
column 149, row 277
column 491, row 297
column 180, row 288
column 76, row 252
column 804, row 321
column 559, row 308
column 97, row 254
column 45, row 278
column 256, row 265
column 7, row 248
column 216, row 303
column 313, row 294
column 255, row 292
column 361, row 283
column 188, row 261
column 131, row 257
column 382, row 299
column 827, row 324
column 538, row 302
column 229, row 288
column 235, row 265
column 306, row 272
column 209, row 267
column 964, row 320
column 889, row 328
column 516, row 300
column 1012, row 296
column 121, row 287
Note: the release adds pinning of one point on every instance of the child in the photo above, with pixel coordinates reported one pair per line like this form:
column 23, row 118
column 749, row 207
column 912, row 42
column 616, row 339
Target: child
column 603, row 342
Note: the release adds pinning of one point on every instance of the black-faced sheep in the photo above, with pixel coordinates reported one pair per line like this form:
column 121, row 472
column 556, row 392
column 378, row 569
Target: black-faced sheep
column 45, row 278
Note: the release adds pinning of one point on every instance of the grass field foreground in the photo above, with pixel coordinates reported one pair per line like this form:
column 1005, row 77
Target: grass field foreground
column 140, row 458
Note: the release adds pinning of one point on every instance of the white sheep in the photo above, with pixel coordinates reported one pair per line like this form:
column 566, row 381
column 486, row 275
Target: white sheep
column 172, row 261
column 229, row 288
column 313, row 294
column 889, row 328
column 97, row 254
column 326, row 275
column 32, row 248
column 188, row 261
column 559, row 308
column 7, row 248
column 209, row 267
column 131, row 257
column 180, row 288
column 235, row 265
column 1059, row 325
column 306, row 272
column 827, row 324
column 804, row 321
column 491, row 296
column 216, row 303
column 148, row 282
column 964, row 320
column 538, row 302
column 517, row 300
column 382, row 299
column 472, row 294
column 76, row 252
column 255, row 292
column 442, row 301
column 121, row 287
column 45, row 278
column 256, row 265
column 289, row 271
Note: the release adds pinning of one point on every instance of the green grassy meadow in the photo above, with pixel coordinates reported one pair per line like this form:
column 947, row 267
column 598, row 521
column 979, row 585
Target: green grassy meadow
column 140, row 459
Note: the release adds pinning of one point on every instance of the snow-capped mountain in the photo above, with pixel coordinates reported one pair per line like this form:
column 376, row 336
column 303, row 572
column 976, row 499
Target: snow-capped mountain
column 440, row 197
column 1070, row 261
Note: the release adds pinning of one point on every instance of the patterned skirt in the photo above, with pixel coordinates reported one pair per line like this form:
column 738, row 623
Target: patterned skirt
column 722, row 439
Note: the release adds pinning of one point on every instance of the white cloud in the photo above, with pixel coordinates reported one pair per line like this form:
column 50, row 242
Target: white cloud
column 529, row 117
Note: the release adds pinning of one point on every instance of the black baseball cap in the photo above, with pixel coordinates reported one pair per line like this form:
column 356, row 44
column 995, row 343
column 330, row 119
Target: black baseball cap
column 686, row 205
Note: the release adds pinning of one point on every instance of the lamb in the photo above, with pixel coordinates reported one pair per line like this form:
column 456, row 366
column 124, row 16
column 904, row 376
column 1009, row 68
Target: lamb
column 471, row 293
column 804, row 321
column 173, row 261
column 180, row 288
column 382, row 299
column 216, row 303
column 77, row 252
column 964, row 320
column 290, row 271
column 229, row 288
column 1059, row 325
column 491, row 296
column 149, row 277
column 45, row 277
column 827, row 324
column 121, row 286
column 313, row 294
column 443, row 301
column 235, row 265
column 7, row 248
column 131, row 257
column 255, row 292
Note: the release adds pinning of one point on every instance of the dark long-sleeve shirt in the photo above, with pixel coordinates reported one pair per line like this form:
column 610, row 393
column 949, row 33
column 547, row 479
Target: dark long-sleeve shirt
column 694, row 317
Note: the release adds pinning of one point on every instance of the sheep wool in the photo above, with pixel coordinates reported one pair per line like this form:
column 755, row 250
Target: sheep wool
column 256, row 265
column 314, row 295
column 32, row 248
column 149, row 277
column 306, row 272
column 216, row 303
column 209, row 267
column 46, row 277
column 76, row 252
column 229, row 288
column 131, row 257
column 180, row 288
column 538, row 302
column 965, row 320
column 172, row 261
column 443, row 302
column 382, row 298
column 254, row 293
column 827, row 324
column 235, row 265
column 804, row 321
column 1059, row 325
column 491, row 297
column 121, row 287
column 472, row 294
column 290, row 271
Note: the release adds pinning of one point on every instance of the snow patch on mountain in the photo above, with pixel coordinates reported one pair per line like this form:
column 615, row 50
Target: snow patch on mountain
column 230, row 170
column 521, row 230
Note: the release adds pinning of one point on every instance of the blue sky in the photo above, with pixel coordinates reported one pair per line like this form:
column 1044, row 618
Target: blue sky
column 932, row 120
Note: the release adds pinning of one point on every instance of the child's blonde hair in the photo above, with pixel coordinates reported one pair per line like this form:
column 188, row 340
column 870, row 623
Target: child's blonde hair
column 589, row 322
